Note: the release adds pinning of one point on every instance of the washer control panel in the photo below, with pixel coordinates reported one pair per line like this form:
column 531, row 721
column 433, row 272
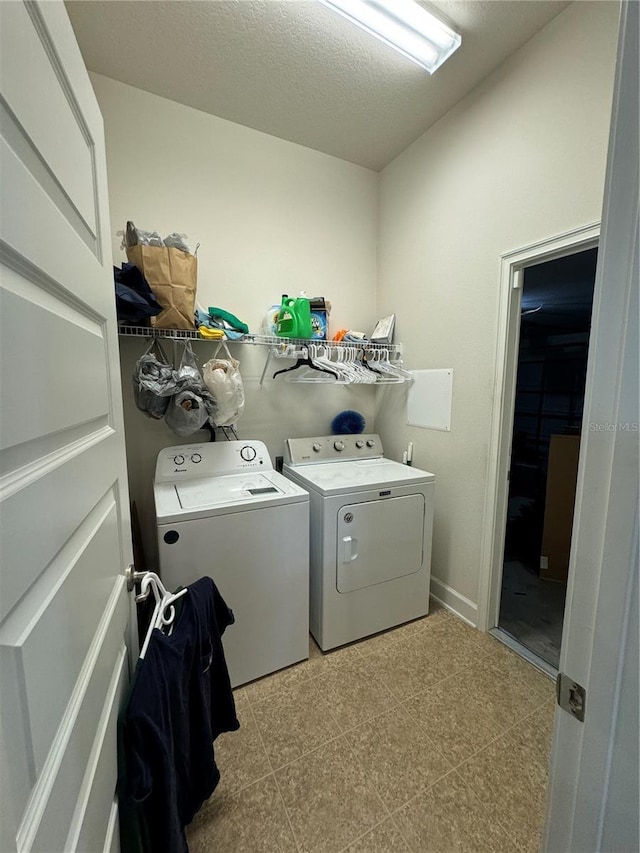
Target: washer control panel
column 332, row 448
column 214, row 459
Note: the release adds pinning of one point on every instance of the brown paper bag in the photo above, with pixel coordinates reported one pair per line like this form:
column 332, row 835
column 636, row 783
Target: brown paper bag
column 172, row 275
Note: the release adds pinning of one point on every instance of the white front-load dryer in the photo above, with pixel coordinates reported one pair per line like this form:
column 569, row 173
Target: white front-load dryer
column 223, row 511
column 371, row 527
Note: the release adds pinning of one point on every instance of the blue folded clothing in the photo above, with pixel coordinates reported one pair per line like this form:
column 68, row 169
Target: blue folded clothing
column 203, row 319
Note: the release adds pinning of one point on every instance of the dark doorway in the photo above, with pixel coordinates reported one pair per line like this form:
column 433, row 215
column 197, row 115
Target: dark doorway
column 557, row 299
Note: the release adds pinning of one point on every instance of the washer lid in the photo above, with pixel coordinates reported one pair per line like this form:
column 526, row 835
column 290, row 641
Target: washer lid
column 210, row 496
column 356, row 476
column 214, row 491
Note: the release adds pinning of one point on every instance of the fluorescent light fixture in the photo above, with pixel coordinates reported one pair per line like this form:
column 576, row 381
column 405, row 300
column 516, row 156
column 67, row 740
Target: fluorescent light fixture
column 405, row 26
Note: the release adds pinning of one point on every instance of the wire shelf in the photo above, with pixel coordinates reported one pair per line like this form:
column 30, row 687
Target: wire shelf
column 149, row 332
column 272, row 341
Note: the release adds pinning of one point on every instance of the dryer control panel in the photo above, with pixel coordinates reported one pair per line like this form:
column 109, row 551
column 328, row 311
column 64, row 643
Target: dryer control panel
column 214, row 459
column 332, row 448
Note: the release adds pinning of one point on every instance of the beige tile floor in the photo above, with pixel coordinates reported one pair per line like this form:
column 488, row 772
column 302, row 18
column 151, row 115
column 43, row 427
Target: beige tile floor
column 429, row 737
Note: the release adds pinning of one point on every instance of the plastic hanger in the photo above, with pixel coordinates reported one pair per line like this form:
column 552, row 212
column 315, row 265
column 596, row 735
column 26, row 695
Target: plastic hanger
column 355, row 359
column 321, row 357
column 164, row 612
column 301, row 362
column 304, row 360
column 391, row 370
column 384, row 376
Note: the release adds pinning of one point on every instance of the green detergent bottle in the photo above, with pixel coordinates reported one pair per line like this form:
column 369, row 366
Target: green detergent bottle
column 294, row 318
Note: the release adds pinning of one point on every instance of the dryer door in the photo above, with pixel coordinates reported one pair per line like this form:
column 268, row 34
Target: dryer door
column 378, row 541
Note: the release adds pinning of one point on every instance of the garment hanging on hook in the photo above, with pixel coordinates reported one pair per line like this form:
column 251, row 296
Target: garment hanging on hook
column 179, row 701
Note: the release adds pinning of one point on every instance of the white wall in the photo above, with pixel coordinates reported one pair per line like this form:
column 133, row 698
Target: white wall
column 520, row 159
column 271, row 217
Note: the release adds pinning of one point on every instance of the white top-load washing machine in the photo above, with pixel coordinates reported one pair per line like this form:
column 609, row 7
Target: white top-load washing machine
column 371, row 524
column 223, row 511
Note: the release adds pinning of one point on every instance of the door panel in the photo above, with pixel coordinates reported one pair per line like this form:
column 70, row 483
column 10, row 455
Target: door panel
column 112, row 843
column 30, row 493
column 53, row 401
column 78, row 598
column 65, row 763
column 63, row 813
column 378, row 541
column 91, row 831
column 64, row 521
column 17, row 760
column 51, row 104
column 55, row 224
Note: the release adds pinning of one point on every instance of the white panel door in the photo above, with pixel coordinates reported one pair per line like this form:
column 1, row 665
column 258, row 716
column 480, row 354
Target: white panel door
column 594, row 790
column 65, row 540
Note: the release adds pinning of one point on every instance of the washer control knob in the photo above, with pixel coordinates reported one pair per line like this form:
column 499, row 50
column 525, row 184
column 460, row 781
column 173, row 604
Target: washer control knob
column 359, row 443
column 178, row 460
column 371, row 443
column 339, row 445
column 195, row 457
column 248, row 453
column 317, row 446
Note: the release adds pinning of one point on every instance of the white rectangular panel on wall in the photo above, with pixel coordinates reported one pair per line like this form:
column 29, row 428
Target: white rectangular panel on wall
column 429, row 399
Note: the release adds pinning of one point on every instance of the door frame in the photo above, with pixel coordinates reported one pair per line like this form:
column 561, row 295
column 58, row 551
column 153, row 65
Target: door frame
column 512, row 266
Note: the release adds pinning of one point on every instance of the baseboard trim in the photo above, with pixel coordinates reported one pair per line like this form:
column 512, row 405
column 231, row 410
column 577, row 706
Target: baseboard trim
column 455, row 602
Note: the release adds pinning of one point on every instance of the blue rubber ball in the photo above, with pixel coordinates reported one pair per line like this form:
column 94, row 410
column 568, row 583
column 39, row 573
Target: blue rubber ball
column 348, row 423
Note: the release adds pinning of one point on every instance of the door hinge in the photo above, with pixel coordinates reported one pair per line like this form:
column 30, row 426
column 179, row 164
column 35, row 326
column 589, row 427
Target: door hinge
column 571, row 696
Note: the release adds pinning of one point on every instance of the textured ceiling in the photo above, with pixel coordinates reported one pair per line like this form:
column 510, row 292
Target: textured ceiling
column 295, row 69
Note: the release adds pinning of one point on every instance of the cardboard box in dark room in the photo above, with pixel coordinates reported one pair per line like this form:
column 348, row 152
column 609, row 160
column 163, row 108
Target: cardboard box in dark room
column 562, row 475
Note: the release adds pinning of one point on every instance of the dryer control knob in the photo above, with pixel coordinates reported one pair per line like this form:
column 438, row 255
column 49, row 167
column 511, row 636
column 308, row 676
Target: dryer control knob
column 339, row 445
column 359, row 443
column 371, row 443
column 317, row 447
column 178, row 460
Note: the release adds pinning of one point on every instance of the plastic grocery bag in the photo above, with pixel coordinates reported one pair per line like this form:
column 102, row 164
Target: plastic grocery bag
column 224, row 382
column 192, row 403
column 186, row 414
column 154, row 381
column 188, row 376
